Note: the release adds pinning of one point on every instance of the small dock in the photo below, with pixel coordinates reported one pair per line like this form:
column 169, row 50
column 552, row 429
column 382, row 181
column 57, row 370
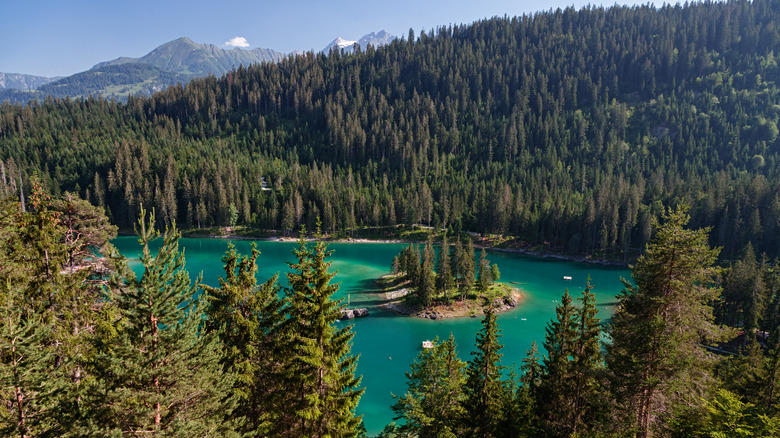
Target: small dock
column 427, row 344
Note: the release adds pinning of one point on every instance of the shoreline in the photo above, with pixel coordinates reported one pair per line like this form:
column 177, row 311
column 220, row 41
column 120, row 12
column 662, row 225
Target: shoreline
column 454, row 310
column 501, row 297
column 478, row 244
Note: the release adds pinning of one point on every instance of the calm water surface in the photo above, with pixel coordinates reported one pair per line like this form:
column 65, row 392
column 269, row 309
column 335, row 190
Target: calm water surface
column 387, row 343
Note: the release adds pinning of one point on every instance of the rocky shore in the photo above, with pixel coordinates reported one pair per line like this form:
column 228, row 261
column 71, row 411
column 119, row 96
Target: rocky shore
column 456, row 309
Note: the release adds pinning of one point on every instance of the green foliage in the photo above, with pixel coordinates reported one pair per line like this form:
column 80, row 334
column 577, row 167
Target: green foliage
column 432, row 404
column 321, row 369
column 247, row 319
column 656, row 357
column 569, row 400
column 485, row 392
column 482, row 126
column 484, row 272
column 160, row 374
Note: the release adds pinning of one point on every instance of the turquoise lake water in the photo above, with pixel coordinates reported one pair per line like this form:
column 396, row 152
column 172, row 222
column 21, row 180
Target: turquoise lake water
column 387, row 343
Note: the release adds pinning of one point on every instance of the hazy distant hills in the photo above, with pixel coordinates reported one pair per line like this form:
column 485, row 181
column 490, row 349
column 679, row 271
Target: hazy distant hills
column 23, row 82
column 177, row 61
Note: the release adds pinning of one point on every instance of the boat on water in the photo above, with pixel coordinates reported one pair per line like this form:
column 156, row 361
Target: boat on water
column 427, row 344
column 566, row 278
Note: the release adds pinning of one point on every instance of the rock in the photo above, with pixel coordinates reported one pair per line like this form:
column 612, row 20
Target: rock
column 353, row 313
column 497, row 302
column 510, row 301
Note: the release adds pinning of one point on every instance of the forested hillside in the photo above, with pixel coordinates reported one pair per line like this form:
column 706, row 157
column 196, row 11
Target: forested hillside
column 570, row 128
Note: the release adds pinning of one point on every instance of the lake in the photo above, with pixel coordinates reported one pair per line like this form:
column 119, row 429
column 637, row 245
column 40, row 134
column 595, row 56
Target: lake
column 387, row 343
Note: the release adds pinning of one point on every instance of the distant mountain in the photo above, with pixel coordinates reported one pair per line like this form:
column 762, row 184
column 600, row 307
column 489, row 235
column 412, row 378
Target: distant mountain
column 376, row 39
column 18, row 81
column 177, row 61
column 111, row 81
column 185, row 56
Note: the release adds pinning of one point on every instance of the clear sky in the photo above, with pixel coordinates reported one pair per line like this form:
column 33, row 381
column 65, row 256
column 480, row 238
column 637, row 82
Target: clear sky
column 59, row 38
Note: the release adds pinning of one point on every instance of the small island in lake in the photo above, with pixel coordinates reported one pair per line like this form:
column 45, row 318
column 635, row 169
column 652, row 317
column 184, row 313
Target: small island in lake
column 449, row 286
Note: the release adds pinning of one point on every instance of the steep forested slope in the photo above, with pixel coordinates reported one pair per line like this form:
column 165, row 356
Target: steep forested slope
column 570, row 128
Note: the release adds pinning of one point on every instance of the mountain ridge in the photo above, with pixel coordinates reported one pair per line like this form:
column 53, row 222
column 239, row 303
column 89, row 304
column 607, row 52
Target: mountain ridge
column 176, row 61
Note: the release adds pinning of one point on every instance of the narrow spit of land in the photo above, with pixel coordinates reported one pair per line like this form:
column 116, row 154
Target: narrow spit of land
column 395, row 291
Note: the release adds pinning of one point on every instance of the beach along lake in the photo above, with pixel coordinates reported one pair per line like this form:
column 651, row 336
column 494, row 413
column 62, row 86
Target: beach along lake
column 387, row 342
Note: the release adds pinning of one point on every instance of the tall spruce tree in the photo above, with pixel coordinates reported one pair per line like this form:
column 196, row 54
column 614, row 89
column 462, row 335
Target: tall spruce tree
column 432, row 404
column 484, row 272
column 531, row 371
column 159, row 372
column 246, row 318
column 656, row 356
column 45, row 311
column 466, row 268
column 485, row 392
column 588, row 362
column 427, row 284
column 554, row 403
column 444, row 280
column 321, row 374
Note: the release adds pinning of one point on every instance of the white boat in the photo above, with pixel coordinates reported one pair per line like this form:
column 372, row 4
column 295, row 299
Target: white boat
column 567, row 278
column 427, row 344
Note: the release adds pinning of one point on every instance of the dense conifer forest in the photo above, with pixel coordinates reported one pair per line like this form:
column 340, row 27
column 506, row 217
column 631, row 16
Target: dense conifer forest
column 643, row 134
column 566, row 128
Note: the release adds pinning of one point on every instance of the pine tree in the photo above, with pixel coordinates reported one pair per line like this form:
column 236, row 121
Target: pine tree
column 31, row 385
column 531, row 372
column 45, row 311
column 484, row 279
column 484, row 390
column 466, row 268
column 246, row 318
column 554, row 403
column 159, row 373
column 656, row 355
column 587, row 361
column 567, row 398
column 444, row 278
column 322, row 371
column 427, row 283
column 431, row 406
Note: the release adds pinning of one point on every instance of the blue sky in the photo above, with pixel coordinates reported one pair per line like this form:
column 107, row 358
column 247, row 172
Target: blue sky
column 56, row 37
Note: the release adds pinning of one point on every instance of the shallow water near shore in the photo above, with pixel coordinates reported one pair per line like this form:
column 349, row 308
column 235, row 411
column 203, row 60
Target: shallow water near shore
column 386, row 342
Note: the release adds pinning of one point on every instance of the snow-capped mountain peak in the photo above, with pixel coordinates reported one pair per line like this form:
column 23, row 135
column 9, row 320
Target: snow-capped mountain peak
column 341, row 42
column 374, row 38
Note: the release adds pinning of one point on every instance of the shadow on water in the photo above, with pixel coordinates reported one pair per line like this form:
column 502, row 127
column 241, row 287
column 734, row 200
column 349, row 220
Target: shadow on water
column 365, row 293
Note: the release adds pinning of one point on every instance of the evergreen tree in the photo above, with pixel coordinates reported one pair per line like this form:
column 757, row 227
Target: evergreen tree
column 431, row 406
column 531, row 372
column 427, row 284
column 246, row 318
column 466, row 268
column 656, row 355
column 484, row 279
column 484, row 390
column 31, row 386
column 586, row 365
column 444, row 280
column 555, row 404
column 46, row 311
column 158, row 373
column 322, row 371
